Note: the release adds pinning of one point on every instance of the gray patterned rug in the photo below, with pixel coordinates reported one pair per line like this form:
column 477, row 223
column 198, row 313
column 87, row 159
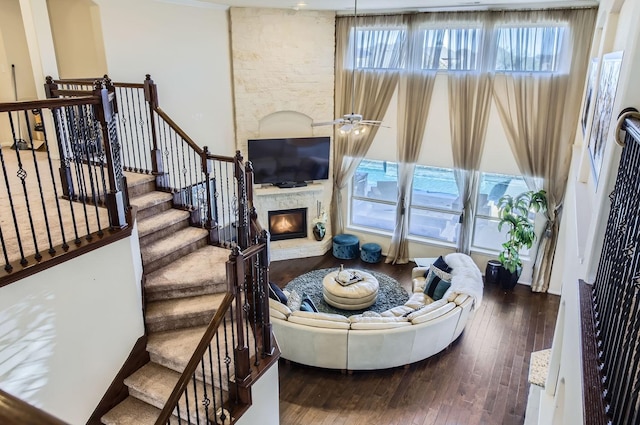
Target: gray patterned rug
column 390, row 293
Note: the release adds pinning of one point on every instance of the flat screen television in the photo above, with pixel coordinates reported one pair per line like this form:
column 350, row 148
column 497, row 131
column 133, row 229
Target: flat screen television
column 289, row 162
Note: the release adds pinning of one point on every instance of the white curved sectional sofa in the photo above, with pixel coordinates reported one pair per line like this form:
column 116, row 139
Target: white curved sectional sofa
column 389, row 339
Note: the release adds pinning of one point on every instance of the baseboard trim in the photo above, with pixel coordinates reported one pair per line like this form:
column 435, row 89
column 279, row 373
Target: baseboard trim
column 118, row 391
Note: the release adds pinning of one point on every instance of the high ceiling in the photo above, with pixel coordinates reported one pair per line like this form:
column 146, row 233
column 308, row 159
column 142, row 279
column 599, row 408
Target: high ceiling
column 370, row 6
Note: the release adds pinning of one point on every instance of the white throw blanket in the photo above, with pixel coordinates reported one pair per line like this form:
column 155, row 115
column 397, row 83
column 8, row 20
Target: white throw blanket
column 465, row 277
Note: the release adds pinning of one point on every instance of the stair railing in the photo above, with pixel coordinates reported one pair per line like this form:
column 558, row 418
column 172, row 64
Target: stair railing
column 14, row 411
column 202, row 183
column 47, row 218
column 218, row 191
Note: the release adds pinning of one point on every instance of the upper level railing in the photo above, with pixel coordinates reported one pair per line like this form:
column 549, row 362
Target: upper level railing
column 615, row 342
column 43, row 218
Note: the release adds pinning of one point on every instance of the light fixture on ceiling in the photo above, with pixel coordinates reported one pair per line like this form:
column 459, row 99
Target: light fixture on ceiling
column 352, row 123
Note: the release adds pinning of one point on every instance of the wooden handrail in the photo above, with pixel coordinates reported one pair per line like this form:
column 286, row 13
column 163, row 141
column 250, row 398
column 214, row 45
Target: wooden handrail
column 14, row 411
column 48, row 103
column 178, row 130
column 195, row 359
column 86, row 81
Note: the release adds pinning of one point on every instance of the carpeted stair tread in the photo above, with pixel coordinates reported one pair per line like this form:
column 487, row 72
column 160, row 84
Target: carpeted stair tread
column 150, row 199
column 153, row 384
column 139, row 184
column 200, row 308
column 160, row 221
column 173, row 349
column 132, row 411
column 205, row 266
column 168, row 245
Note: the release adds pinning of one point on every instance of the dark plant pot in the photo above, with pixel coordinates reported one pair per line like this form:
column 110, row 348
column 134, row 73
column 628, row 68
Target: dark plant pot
column 319, row 232
column 492, row 271
column 507, row 279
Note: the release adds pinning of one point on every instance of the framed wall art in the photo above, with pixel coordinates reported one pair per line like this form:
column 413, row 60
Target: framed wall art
column 603, row 104
column 590, row 87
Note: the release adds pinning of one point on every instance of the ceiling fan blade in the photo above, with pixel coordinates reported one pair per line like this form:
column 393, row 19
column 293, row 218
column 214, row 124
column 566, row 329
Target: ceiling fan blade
column 370, row 122
column 317, row 124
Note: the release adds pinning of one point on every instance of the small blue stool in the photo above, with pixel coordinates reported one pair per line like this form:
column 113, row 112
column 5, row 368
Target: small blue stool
column 371, row 252
column 346, row 246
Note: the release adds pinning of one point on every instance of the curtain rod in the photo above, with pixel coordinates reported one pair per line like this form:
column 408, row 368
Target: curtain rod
column 488, row 10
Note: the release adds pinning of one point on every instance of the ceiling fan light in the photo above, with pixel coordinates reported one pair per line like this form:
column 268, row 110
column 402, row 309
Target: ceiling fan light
column 346, row 128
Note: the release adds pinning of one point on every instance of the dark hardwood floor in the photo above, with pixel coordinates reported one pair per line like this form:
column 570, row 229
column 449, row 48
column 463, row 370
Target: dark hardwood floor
column 480, row 379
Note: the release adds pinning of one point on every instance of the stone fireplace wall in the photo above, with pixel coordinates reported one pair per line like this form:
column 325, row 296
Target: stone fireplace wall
column 283, row 79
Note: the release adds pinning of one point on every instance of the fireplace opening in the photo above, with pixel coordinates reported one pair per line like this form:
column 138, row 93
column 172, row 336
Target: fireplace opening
column 288, row 224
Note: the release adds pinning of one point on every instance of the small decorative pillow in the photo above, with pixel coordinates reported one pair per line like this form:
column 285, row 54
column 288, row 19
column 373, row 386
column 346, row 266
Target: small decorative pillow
column 307, row 304
column 441, row 266
column 294, row 302
column 276, row 293
column 437, row 284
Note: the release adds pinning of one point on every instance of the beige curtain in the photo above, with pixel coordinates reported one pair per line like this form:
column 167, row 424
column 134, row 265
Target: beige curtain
column 469, row 107
column 414, row 98
column 372, row 91
column 539, row 112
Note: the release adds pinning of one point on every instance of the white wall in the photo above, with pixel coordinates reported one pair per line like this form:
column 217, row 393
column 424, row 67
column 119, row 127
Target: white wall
column 77, row 35
column 265, row 394
column 586, row 213
column 185, row 48
column 66, row 332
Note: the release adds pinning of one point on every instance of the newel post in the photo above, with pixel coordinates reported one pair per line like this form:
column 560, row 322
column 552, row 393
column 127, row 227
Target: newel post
column 50, row 88
column 212, row 207
column 267, row 340
column 236, row 281
column 115, row 198
column 243, row 222
column 151, row 97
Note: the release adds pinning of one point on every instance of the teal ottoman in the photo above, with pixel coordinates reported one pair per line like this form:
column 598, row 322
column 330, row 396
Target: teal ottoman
column 371, row 252
column 346, row 246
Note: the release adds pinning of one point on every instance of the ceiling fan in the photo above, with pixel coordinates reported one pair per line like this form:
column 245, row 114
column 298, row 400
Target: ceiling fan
column 351, row 123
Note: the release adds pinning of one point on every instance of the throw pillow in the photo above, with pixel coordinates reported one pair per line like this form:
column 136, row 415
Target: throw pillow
column 307, row 305
column 435, row 286
column 276, row 293
column 294, row 301
column 440, row 265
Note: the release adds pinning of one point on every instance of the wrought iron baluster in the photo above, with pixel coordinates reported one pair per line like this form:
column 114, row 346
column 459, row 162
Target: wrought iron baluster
column 186, row 399
column 22, row 175
column 213, row 380
column 7, row 264
column 206, row 401
column 67, row 128
column 23, row 260
column 45, row 216
column 196, row 405
column 144, row 125
column 137, row 142
column 65, row 245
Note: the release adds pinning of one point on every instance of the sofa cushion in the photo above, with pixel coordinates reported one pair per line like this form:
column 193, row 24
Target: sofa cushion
column 276, row 293
column 400, row 310
column 279, row 307
column 275, row 314
column 460, row 298
column 417, row 300
column 359, row 321
column 433, row 314
column 319, row 320
column 437, row 284
column 426, row 309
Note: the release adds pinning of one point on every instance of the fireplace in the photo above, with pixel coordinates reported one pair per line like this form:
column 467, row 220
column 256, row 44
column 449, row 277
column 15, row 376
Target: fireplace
column 288, row 224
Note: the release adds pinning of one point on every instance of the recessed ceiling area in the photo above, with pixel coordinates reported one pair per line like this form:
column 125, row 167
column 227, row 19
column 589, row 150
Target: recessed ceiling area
column 372, row 6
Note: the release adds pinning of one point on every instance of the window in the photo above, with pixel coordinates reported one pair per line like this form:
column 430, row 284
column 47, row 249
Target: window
column 492, row 187
column 379, row 48
column 435, row 206
column 450, row 49
column 529, row 48
column 434, row 209
column 375, row 195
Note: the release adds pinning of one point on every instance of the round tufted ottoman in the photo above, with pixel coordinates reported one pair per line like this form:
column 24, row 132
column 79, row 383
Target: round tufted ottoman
column 346, row 246
column 351, row 297
column 370, row 252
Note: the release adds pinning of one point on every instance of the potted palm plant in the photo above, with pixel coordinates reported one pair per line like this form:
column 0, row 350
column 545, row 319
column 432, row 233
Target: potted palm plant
column 514, row 213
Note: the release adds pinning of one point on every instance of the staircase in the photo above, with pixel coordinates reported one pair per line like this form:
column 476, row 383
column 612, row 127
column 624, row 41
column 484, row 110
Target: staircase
column 185, row 279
